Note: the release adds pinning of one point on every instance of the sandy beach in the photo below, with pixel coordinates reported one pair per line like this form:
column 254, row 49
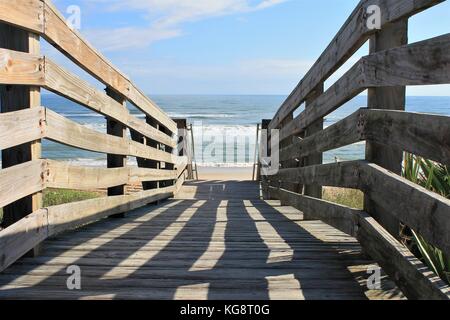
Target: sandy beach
column 225, row 174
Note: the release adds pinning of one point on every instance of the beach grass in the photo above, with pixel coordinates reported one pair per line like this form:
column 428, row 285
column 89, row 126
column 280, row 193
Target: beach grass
column 53, row 197
column 346, row 197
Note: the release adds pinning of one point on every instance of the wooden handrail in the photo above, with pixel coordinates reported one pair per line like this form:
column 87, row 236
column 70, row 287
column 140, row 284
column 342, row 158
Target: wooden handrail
column 153, row 141
column 387, row 130
column 353, row 34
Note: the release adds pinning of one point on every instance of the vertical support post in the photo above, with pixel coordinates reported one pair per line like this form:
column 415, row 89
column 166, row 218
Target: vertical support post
column 256, row 155
column 265, row 181
column 314, row 190
column 117, row 129
column 390, row 98
column 194, row 161
column 15, row 98
column 183, row 146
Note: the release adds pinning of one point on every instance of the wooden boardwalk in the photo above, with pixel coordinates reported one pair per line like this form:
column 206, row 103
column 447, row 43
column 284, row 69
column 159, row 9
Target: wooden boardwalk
column 219, row 242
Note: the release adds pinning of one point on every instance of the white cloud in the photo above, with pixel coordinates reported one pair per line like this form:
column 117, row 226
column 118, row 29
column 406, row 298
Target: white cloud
column 165, row 19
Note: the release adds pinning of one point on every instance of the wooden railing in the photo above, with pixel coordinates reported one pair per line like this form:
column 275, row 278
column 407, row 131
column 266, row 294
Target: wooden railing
column 24, row 123
column 388, row 131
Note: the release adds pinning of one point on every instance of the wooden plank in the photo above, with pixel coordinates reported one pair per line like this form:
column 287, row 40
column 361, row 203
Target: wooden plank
column 402, row 66
column 411, row 275
column 19, row 127
column 385, row 97
column 353, row 34
column 19, row 68
column 72, row 87
column 313, row 190
column 28, row 232
column 347, row 131
column 21, row 237
column 69, row 216
column 425, row 135
column 424, row 211
column 62, row 130
column 16, row 97
column 65, row 176
column 341, row 174
column 70, row 43
column 342, row 218
column 21, row 180
column 73, row 134
column 24, row 14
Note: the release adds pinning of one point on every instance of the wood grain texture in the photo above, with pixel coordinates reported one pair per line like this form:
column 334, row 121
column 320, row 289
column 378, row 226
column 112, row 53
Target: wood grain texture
column 348, row 40
column 410, row 274
column 421, row 63
column 22, row 180
column 19, row 127
column 244, row 250
column 70, row 43
column 19, row 68
column 66, row 176
column 24, row 14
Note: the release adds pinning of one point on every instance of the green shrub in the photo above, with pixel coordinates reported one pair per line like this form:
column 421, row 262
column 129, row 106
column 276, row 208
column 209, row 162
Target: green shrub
column 435, row 177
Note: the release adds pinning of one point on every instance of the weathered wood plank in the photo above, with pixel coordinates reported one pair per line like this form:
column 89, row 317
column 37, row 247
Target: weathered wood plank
column 342, row 218
column 424, row 211
column 21, row 237
column 24, row 14
column 84, row 55
column 353, row 34
column 19, row 127
column 402, row 66
column 20, row 68
column 341, row 174
column 21, row 180
column 425, row 135
column 411, row 275
column 68, row 132
column 347, row 131
column 66, row 176
column 28, row 232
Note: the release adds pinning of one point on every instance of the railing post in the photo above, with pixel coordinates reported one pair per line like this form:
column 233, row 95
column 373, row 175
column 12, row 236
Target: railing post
column 14, row 98
column 183, row 146
column 314, row 190
column 117, row 129
column 264, row 139
column 391, row 98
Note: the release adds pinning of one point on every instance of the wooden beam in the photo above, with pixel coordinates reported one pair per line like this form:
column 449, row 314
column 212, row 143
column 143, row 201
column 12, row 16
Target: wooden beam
column 424, row 211
column 19, row 182
column 313, row 190
column 422, row 63
column 116, row 129
column 353, row 34
column 30, row 231
column 15, row 98
column 19, row 127
column 391, row 98
column 342, row 218
column 414, row 279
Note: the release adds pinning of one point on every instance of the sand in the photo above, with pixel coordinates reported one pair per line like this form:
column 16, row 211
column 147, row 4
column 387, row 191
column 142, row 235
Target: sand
column 225, row 174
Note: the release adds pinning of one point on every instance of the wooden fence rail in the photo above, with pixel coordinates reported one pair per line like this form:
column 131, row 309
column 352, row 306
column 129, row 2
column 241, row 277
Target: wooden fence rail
column 388, row 132
column 24, row 122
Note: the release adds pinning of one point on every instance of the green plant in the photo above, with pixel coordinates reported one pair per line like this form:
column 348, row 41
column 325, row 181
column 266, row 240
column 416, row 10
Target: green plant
column 435, row 177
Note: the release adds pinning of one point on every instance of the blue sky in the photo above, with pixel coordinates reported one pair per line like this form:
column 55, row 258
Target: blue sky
column 226, row 46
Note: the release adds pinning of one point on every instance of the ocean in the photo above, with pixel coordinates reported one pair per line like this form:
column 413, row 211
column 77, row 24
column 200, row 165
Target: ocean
column 224, row 126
